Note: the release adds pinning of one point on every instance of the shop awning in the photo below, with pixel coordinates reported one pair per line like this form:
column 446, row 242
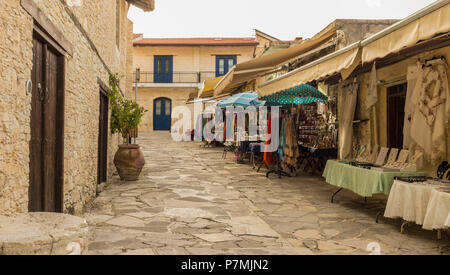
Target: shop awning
column 207, row 90
column 302, row 94
column 257, row 67
column 343, row 61
column 422, row 25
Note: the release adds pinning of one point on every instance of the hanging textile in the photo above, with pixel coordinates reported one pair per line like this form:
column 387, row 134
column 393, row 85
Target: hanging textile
column 347, row 96
column 429, row 124
column 267, row 155
column 372, row 96
column 281, row 146
column 224, row 128
column 411, row 77
column 198, row 127
column 291, row 148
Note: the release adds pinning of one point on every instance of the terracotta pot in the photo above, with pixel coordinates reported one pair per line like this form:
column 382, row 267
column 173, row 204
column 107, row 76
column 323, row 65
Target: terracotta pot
column 129, row 161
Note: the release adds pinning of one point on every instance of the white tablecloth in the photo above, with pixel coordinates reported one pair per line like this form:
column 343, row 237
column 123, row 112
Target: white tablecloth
column 438, row 211
column 423, row 204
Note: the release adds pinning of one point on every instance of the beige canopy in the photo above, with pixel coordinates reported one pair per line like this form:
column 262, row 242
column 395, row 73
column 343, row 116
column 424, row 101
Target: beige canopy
column 423, row 25
column 344, row 60
column 254, row 68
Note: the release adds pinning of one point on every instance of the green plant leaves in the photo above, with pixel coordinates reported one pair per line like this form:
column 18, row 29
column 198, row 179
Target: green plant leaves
column 126, row 114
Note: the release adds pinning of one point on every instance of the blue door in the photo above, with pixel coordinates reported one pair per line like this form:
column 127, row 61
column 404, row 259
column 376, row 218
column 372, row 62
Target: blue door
column 163, row 69
column 162, row 114
column 224, row 63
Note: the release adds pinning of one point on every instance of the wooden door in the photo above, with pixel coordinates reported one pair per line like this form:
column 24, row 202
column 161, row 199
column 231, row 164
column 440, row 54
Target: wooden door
column 163, row 69
column 103, row 139
column 47, row 124
column 396, row 97
column 162, row 114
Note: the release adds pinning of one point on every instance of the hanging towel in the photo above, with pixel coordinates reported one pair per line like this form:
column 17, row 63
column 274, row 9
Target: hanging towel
column 267, row 155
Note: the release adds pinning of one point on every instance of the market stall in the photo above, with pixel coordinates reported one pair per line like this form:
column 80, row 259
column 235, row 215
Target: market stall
column 422, row 201
column 305, row 139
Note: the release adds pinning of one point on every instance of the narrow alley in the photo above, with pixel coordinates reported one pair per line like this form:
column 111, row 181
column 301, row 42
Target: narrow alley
column 190, row 201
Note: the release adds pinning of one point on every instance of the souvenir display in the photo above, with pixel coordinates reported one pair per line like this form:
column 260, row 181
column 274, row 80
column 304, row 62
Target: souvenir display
column 382, row 156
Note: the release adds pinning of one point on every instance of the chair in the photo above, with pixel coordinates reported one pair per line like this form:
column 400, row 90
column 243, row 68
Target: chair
column 231, row 147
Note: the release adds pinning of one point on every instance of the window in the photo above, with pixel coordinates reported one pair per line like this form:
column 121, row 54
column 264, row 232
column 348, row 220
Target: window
column 224, row 63
column 158, row 107
column 167, row 108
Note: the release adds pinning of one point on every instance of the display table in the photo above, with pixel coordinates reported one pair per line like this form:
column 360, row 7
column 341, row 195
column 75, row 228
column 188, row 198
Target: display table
column 363, row 182
column 438, row 210
column 424, row 204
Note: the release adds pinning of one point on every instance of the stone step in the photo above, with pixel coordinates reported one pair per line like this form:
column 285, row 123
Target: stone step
column 43, row 234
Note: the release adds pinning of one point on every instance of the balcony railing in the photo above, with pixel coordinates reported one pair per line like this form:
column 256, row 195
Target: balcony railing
column 174, row 77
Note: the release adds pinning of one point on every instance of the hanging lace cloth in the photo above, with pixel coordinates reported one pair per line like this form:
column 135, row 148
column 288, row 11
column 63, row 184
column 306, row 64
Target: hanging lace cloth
column 429, row 124
column 347, row 96
column 372, row 97
column 411, row 78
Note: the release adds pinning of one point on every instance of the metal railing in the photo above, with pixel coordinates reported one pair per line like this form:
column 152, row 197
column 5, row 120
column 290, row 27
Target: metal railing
column 174, row 77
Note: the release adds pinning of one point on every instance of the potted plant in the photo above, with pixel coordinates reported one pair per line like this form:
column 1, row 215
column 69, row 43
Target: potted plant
column 125, row 118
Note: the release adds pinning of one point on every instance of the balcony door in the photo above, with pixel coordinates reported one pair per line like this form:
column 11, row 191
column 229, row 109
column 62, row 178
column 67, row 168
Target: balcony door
column 163, row 69
column 162, row 114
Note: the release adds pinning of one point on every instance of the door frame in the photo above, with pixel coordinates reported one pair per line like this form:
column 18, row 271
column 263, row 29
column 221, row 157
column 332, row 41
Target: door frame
column 400, row 91
column 102, row 162
column 154, row 112
column 39, row 34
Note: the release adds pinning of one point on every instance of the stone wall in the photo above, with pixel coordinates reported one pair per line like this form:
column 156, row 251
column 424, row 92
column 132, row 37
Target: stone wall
column 82, row 69
column 15, row 68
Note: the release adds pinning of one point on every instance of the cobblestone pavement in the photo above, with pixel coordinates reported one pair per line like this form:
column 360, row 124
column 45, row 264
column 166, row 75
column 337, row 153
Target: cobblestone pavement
column 190, row 201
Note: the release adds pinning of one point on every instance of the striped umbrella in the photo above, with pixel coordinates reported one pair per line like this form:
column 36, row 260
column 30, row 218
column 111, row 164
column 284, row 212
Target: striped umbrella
column 303, row 94
column 242, row 99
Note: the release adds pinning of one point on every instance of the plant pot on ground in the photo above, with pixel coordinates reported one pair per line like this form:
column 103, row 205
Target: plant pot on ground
column 125, row 118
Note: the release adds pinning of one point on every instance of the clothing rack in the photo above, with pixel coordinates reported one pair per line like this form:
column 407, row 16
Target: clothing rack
column 285, row 113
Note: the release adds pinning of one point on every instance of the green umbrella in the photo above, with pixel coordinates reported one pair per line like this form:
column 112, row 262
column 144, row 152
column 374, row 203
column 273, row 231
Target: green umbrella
column 303, row 94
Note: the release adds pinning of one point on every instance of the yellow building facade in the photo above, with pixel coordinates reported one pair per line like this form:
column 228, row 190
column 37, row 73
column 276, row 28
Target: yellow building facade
column 173, row 69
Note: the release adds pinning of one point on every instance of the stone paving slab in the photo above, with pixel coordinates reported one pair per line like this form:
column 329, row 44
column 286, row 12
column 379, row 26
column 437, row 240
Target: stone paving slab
column 190, row 201
column 43, row 234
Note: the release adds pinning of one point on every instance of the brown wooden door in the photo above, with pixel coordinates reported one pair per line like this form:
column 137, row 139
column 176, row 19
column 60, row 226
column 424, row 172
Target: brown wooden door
column 396, row 96
column 103, row 139
column 45, row 192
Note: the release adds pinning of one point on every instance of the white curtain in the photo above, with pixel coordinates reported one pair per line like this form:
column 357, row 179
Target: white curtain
column 347, row 97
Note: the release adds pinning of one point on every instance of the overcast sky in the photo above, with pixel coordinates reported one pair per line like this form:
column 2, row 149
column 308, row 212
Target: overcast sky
column 284, row 19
